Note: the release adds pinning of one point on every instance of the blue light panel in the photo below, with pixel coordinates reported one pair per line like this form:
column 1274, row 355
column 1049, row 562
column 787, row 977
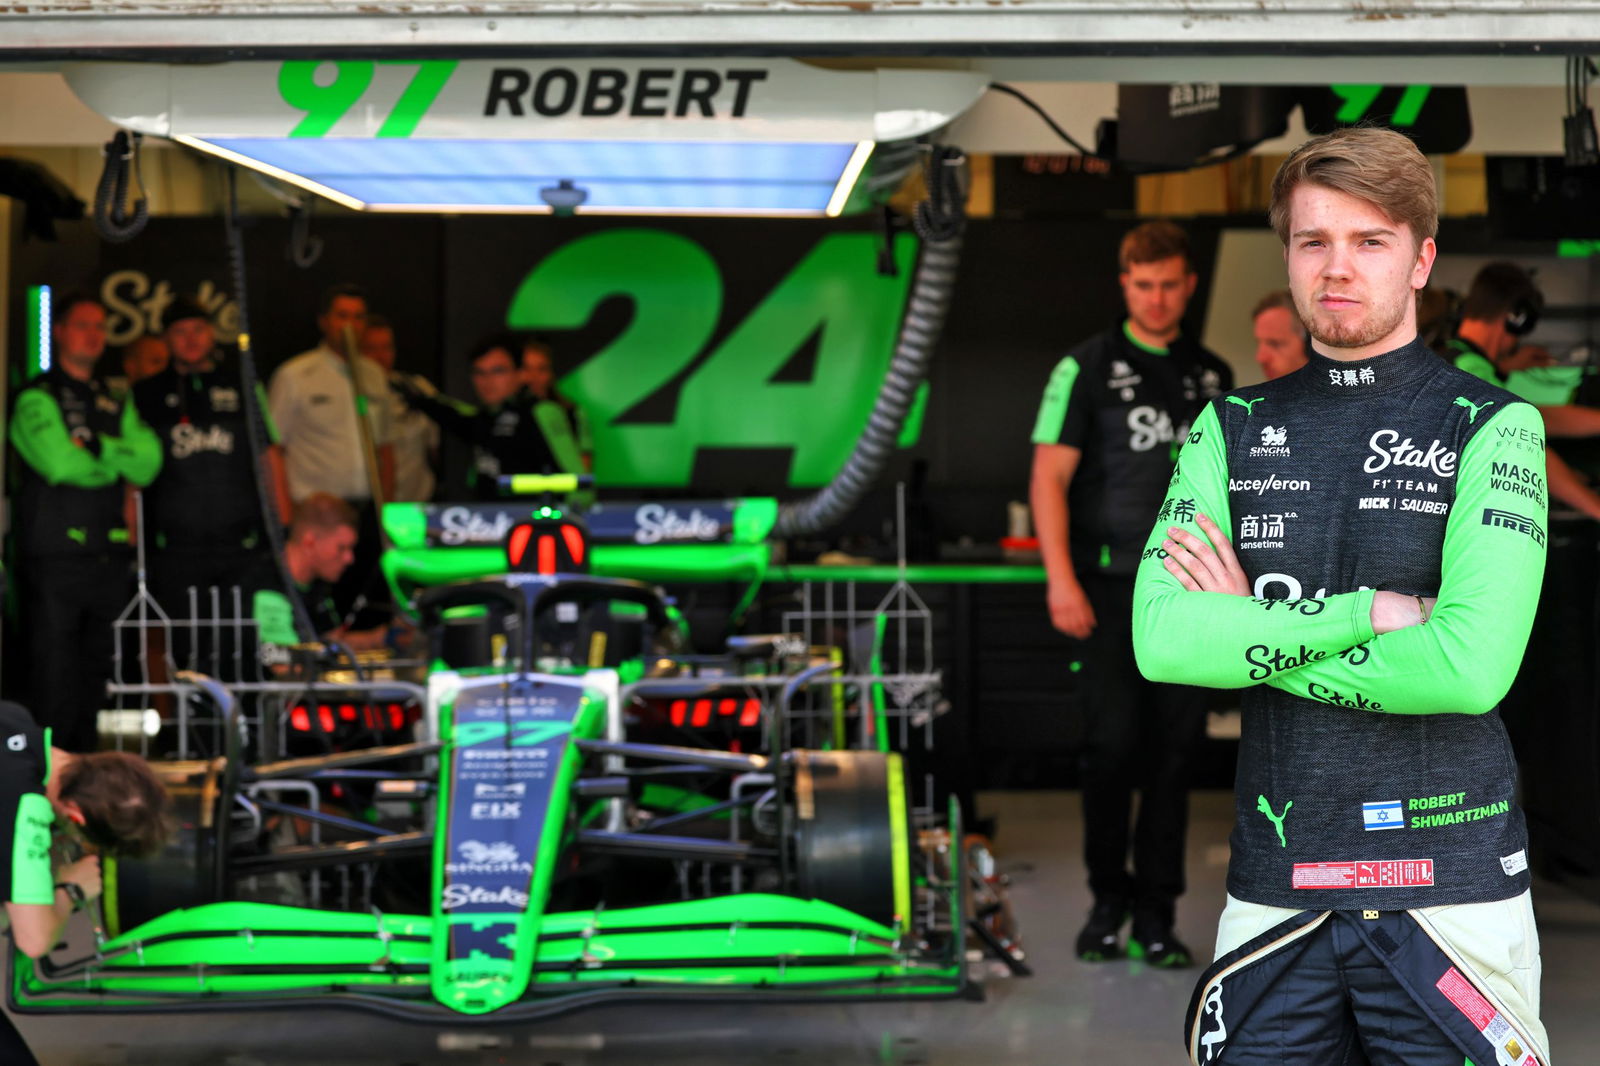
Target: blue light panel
column 642, row 176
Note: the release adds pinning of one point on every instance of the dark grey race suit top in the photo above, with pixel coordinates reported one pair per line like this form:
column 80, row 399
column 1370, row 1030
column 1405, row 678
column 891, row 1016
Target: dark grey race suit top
column 1373, row 772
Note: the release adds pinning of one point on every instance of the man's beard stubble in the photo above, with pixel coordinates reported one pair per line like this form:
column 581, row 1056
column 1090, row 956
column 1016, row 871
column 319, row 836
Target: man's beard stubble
column 1376, row 325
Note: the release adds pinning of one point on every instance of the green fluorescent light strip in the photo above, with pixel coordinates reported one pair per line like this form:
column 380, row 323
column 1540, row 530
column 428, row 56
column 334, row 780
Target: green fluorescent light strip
column 38, row 333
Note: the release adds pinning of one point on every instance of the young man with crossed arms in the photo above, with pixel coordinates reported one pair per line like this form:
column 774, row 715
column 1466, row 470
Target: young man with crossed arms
column 1378, row 888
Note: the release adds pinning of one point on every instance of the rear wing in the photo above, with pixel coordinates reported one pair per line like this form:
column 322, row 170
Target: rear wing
column 648, row 540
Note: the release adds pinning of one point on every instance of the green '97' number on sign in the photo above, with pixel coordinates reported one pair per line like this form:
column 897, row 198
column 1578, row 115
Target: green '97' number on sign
column 326, row 90
column 731, row 399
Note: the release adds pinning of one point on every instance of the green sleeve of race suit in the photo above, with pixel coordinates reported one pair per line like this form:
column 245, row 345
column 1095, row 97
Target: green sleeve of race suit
column 1464, row 659
column 1207, row 638
column 31, row 881
column 136, row 455
column 40, row 436
column 274, row 618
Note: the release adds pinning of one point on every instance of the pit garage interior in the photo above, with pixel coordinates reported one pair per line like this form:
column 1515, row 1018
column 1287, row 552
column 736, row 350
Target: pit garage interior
column 726, row 300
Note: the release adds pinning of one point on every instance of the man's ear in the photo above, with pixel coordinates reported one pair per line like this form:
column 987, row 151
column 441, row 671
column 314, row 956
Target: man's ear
column 73, row 812
column 1427, row 252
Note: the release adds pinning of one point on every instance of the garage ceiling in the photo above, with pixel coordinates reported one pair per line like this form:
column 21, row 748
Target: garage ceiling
column 240, row 28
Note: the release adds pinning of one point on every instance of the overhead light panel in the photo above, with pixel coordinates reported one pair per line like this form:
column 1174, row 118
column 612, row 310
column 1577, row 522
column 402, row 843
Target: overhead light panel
column 620, row 177
column 701, row 136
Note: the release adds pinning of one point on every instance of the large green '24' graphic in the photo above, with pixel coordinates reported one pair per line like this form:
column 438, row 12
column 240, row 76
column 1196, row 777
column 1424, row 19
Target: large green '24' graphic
column 730, row 399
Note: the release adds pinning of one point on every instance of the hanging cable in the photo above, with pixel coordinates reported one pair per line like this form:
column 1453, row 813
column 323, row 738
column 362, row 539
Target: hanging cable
column 1000, row 87
column 942, row 216
column 304, row 248
column 111, row 221
column 940, row 226
column 255, row 418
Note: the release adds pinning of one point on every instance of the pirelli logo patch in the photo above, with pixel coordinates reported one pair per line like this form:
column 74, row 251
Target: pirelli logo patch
column 1515, row 522
column 1384, row 873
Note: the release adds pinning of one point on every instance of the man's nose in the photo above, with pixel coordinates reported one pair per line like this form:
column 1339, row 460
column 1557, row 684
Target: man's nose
column 1338, row 263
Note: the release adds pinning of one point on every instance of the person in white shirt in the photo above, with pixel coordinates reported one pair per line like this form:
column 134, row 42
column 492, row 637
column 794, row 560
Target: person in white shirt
column 330, row 405
column 416, row 436
column 317, row 410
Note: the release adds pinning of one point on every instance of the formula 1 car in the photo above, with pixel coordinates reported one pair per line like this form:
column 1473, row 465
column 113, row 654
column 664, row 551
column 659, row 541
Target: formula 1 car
column 581, row 811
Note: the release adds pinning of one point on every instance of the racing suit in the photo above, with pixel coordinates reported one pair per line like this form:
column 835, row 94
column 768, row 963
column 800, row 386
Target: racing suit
column 1126, row 407
column 1374, row 773
column 78, row 443
column 202, row 513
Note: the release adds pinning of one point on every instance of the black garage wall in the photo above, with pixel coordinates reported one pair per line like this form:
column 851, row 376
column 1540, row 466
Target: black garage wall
column 1027, row 289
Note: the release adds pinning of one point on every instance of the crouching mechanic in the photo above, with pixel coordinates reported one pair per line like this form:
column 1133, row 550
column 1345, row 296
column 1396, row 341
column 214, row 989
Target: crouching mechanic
column 1378, row 888
column 117, row 807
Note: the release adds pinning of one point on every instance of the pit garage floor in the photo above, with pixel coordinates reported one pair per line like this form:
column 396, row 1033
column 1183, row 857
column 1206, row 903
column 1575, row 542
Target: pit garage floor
column 1121, row 1013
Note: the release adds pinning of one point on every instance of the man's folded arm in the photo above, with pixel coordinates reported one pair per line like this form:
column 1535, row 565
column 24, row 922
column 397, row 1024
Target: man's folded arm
column 1212, row 638
column 40, row 435
column 1464, row 659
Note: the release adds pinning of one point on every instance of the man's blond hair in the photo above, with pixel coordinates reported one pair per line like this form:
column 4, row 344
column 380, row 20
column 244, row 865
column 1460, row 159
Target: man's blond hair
column 1382, row 167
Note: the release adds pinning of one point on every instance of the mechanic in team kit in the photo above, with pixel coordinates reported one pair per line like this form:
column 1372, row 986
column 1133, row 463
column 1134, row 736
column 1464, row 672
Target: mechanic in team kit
column 79, row 444
column 511, row 430
column 202, row 514
column 319, row 548
column 1352, row 546
column 1502, row 306
column 1114, row 413
column 115, row 805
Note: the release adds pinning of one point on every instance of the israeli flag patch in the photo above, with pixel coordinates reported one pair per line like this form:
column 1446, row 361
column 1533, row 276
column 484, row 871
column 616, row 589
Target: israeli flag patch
column 1384, row 814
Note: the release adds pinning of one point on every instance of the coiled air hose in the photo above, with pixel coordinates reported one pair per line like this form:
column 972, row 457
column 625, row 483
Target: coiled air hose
column 939, row 221
column 111, row 221
column 255, row 419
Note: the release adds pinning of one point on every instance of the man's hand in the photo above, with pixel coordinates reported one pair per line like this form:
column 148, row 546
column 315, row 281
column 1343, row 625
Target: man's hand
column 1070, row 611
column 1395, row 610
column 85, row 873
column 1202, row 567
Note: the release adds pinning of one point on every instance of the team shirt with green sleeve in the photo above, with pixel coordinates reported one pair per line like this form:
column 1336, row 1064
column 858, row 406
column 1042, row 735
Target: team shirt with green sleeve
column 1373, row 771
column 24, row 810
column 1543, row 386
column 1127, row 407
column 78, row 441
